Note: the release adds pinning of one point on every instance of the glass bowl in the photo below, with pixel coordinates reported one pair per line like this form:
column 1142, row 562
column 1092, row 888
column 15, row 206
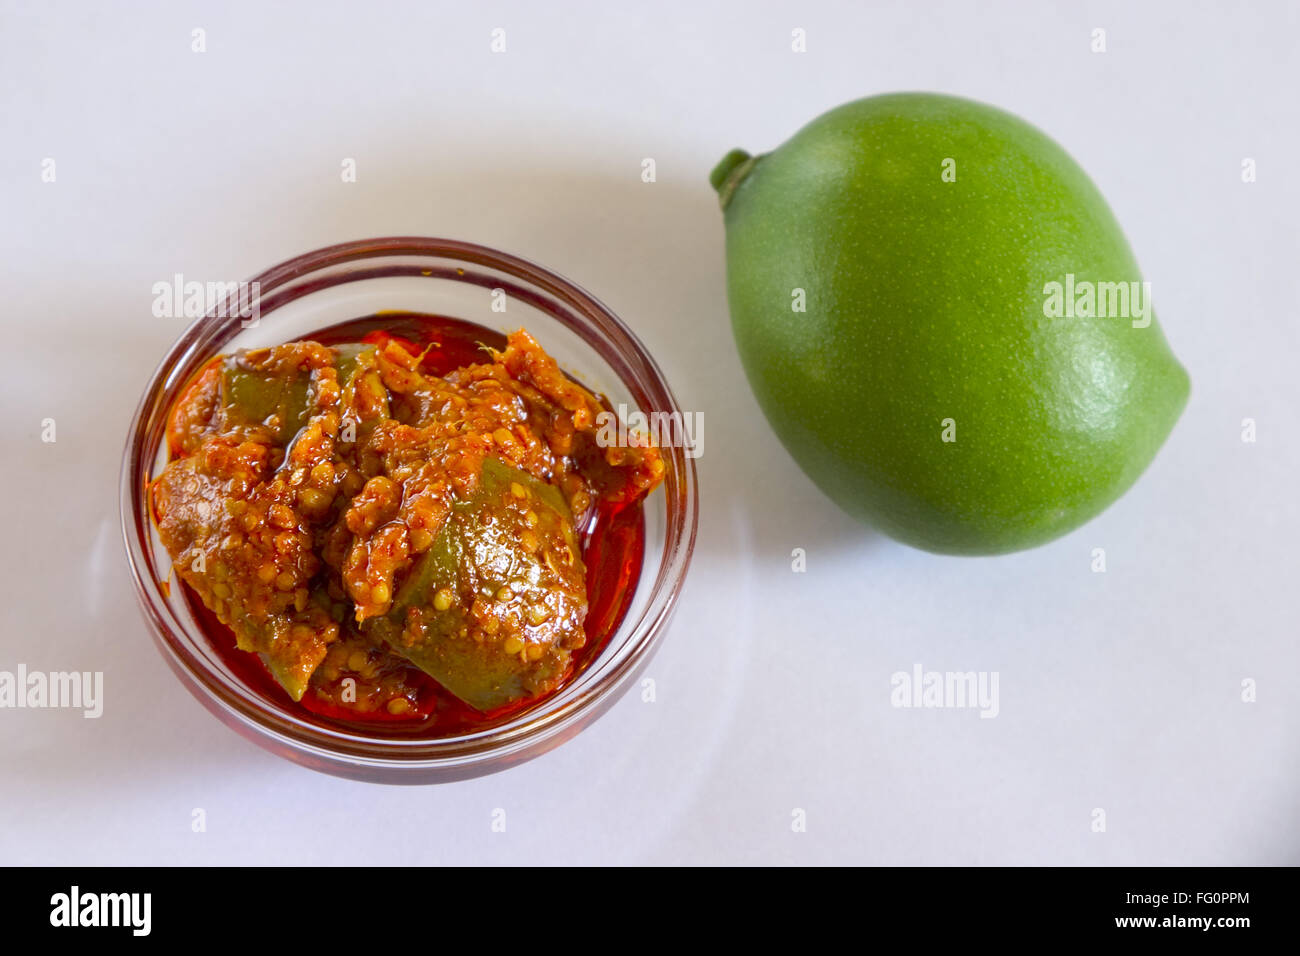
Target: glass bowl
column 440, row 277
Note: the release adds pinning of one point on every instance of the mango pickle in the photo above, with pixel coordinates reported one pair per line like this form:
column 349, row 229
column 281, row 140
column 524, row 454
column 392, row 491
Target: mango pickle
column 366, row 526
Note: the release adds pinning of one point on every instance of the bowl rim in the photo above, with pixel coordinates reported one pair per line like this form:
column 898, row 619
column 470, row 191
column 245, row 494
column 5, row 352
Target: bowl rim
column 529, row 733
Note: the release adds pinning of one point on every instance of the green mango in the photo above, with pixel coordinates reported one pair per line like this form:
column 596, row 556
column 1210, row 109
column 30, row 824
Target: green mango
column 908, row 281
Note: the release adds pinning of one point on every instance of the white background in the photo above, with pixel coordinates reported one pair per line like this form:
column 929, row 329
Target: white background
column 1119, row 691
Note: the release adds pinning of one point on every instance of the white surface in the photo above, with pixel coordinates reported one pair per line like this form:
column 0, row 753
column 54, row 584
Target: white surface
column 1118, row 690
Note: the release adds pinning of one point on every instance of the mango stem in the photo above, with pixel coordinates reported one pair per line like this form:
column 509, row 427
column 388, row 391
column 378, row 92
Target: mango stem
column 730, row 172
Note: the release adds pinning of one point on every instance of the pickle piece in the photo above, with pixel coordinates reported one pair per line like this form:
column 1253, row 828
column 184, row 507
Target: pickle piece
column 254, row 397
column 295, row 652
column 365, row 399
column 249, row 581
column 494, row 609
column 276, row 398
column 346, row 360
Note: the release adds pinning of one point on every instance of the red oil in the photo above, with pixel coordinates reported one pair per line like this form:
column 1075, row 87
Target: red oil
column 612, row 541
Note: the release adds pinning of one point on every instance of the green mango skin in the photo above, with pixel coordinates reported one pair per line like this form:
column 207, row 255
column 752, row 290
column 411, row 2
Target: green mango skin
column 479, row 545
column 252, row 396
column 925, row 302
